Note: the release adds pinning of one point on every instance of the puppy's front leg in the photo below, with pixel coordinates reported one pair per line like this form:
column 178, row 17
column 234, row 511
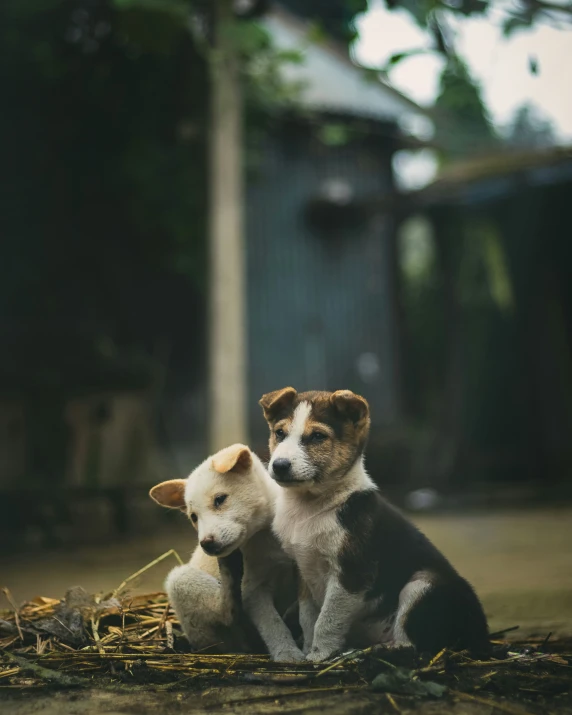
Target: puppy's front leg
column 308, row 615
column 196, row 598
column 231, row 572
column 338, row 612
column 259, row 605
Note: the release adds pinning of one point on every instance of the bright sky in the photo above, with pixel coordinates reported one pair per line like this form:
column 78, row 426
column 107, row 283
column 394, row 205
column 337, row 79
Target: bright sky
column 500, row 64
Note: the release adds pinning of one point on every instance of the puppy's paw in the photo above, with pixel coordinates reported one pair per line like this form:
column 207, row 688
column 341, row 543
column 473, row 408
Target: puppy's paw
column 290, row 654
column 400, row 644
column 316, row 655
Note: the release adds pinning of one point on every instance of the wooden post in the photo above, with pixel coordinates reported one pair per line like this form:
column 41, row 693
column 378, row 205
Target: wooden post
column 227, row 341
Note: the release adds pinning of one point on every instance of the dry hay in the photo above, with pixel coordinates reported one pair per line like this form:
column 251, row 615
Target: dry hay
column 122, row 641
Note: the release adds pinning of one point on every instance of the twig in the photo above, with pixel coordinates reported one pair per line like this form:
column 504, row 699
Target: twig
column 95, row 630
column 473, row 664
column 164, row 623
column 437, row 658
column 69, row 630
column 386, row 662
column 6, row 592
column 344, row 659
column 169, row 634
column 96, row 638
column 164, row 616
column 496, row 634
column 11, row 671
column 66, row 681
column 41, row 645
column 393, row 704
column 488, row 676
column 171, row 552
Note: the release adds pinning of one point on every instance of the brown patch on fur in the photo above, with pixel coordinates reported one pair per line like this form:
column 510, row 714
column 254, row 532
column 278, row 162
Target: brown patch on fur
column 350, row 404
column 275, row 403
column 342, row 416
column 236, row 458
column 170, row 494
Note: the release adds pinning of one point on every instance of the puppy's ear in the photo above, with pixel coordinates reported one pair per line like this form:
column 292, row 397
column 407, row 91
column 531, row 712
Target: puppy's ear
column 171, row 494
column 273, row 402
column 236, row 459
column 350, row 405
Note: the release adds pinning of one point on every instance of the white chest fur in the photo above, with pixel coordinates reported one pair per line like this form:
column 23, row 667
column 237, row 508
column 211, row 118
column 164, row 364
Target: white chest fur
column 313, row 538
column 309, row 530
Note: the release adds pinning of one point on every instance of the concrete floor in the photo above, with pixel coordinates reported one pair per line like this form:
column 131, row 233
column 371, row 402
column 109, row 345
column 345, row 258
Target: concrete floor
column 520, row 564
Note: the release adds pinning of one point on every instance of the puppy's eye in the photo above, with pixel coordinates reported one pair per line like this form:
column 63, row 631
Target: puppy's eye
column 218, row 501
column 280, row 434
column 194, row 518
column 317, row 437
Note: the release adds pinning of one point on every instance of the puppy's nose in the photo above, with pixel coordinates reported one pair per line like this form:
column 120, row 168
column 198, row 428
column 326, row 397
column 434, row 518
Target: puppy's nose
column 281, row 467
column 210, row 546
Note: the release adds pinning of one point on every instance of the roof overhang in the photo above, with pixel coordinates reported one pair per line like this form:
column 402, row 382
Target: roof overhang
column 330, row 82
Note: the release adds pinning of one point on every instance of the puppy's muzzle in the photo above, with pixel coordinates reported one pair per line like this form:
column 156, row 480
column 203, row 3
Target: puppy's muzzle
column 282, row 470
column 210, row 546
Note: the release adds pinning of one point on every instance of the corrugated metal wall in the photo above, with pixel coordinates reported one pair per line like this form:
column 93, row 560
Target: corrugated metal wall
column 318, row 307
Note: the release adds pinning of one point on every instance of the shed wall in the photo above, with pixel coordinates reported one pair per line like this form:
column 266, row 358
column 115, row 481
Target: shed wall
column 318, row 305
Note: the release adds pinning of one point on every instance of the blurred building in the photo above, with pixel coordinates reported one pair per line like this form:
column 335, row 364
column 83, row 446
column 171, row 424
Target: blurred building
column 499, row 229
column 321, row 279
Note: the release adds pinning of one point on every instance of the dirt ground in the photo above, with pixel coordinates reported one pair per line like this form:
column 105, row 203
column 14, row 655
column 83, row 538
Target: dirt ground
column 260, row 701
column 520, row 563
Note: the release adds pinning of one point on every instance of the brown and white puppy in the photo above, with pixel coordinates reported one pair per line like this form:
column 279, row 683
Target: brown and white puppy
column 369, row 575
column 229, row 499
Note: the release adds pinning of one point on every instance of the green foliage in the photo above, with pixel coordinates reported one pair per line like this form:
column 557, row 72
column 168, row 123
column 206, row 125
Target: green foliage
column 420, row 10
column 329, row 17
column 334, row 134
column 265, row 88
column 471, row 253
column 316, row 34
column 416, row 250
column 529, row 129
column 178, row 8
column 497, row 268
column 483, row 276
column 105, row 103
column 398, row 58
column 423, row 305
column 514, row 16
column 106, row 107
column 102, row 182
column 249, row 38
column 403, row 682
column 434, row 17
column 462, row 124
column 463, row 127
column 519, row 22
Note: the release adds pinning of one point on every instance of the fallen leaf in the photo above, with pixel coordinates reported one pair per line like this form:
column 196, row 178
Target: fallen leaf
column 400, row 681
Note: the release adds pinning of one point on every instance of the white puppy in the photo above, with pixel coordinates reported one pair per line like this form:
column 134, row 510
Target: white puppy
column 230, row 501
